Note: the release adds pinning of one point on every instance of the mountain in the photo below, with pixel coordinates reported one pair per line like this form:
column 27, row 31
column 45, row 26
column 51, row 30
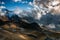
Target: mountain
column 6, row 15
column 2, row 14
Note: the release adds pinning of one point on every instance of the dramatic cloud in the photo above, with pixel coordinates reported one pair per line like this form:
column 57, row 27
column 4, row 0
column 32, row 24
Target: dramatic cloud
column 55, row 2
column 44, row 13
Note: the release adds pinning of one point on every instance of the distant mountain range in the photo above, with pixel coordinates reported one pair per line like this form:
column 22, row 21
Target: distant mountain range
column 7, row 15
column 29, row 16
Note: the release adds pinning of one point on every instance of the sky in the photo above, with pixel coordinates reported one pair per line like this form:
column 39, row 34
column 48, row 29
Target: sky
column 12, row 4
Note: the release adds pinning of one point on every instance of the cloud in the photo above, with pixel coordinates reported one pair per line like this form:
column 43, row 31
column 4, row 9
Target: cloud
column 30, row 3
column 17, row 11
column 2, row 7
column 17, row 0
column 51, row 26
column 29, row 8
column 1, row 12
column 20, row 1
column 24, row 2
column 2, row 2
column 55, row 2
